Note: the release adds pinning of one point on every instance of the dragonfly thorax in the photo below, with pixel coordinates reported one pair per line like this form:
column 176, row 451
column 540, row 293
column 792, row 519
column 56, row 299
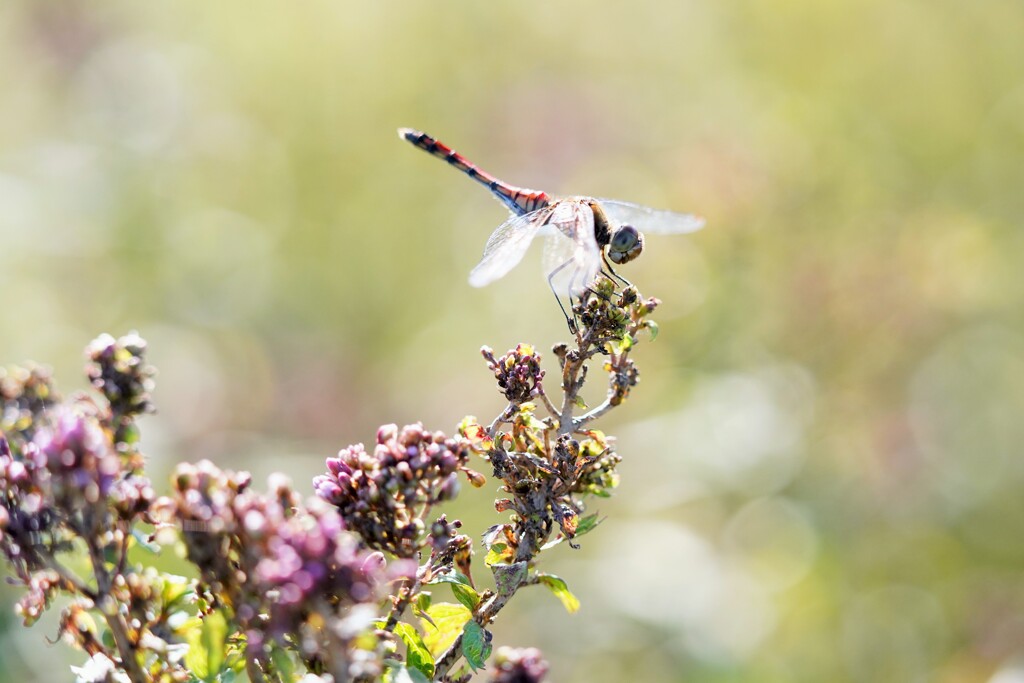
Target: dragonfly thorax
column 624, row 242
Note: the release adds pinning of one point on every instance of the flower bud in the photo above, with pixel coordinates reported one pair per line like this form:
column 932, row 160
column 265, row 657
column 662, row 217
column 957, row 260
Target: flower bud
column 387, row 433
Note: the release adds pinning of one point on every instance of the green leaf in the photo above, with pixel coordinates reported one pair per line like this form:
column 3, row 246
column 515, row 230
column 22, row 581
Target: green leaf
column 449, row 577
column 499, row 553
column 553, row 542
column 207, row 646
column 462, row 673
column 652, row 327
column 587, row 524
column 417, row 654
column 283, row 664
column 175, row 589
column 214, row 639
column 400, row 673
column 236, row 659
column 142, row 539
column 594, row 446
column 189, row 629
column 493, row 534
column 107, row 638
column 129, row 433
column 464, row 593
column 476, row 645
column 467, row 423
column 448, row 620
column 508, row 577
column 561, row 591
column 533, row 422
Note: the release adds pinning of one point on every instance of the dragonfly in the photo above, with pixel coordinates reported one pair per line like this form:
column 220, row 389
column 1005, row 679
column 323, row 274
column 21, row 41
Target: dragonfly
column 585, row 235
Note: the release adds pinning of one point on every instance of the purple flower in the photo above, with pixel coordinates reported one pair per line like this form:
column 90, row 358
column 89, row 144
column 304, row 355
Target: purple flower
column 117, row 369
column 78, row 456
column 381, row 496
column 518, row 372
column 522, row 665
column 269, row 555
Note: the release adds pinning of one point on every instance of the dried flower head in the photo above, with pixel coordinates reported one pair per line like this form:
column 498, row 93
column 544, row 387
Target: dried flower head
column 519, row 665
column 67, row 481
column 118, row 370
column 384, row 495
column 290, row 572
column 25, row 395
column 518, row 372
column 311, row 564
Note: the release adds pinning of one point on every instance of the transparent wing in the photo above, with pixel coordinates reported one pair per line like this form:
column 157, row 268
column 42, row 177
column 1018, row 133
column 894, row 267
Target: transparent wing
column 646, row 219
column 506, row 246
column 571, row 253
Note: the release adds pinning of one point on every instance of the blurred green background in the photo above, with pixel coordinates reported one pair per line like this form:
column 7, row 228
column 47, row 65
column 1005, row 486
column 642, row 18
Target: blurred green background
column 822, row 476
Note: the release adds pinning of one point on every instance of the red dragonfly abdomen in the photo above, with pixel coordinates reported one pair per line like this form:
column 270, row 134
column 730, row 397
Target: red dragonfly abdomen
column 519, row 200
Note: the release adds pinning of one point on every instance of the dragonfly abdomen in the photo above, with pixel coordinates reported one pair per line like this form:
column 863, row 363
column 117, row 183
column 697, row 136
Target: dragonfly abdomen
column 518, row 200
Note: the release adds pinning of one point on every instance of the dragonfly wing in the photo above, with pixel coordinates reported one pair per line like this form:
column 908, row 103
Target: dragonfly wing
column 572, row 258
column 506, row 247
column 646, row 219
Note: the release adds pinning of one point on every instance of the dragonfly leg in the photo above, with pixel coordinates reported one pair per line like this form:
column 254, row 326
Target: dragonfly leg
column 611, row 274
column 570, row 321
column 576, row 273
column 588, row 288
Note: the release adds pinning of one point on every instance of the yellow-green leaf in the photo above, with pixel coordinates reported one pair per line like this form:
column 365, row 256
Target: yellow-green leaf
column 399, row 673
column 558, row 586
column 499, row 553
column 417, row 654
column 207, row 646
column 448, row 620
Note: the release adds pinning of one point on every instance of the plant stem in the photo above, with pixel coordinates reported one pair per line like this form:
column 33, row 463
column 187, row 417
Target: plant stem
column 405, row 594
column 115, row 621
column 502, row 417
column 68, row 577
column 548, row 404
column 599, row 411
column 253, row 670
column 570, row 385
column 119, row 629
column 484, row 614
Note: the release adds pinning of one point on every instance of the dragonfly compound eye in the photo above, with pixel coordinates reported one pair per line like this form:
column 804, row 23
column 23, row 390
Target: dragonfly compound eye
column 626, row 244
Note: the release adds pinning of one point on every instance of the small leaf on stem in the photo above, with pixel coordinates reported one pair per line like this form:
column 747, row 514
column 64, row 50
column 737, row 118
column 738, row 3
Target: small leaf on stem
column 561, row 591
column 417, row 655
column 207, row 646
column 399, row 673
column 461, row 587
column 476, row 645
column 508, row 577
column 499, row 553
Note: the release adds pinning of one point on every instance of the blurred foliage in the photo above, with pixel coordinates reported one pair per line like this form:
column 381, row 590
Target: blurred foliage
column 823, row 472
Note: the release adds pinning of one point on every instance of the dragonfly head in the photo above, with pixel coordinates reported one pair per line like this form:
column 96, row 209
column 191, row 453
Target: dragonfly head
column 625, row 244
